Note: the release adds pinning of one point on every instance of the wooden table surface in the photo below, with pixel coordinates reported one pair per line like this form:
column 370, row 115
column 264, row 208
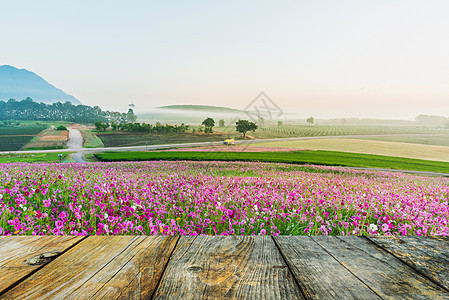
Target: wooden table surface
column 203, row 267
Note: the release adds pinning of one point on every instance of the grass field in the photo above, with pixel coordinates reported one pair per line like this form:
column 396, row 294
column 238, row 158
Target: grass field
column 329, row 158
column 121, row 139
column 34, row 157
column 436, row 140
column 396, row 149
column 91, row 140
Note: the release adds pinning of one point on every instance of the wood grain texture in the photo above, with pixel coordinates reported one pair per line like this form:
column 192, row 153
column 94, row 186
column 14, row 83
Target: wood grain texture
column 426, row 255
column 227, row 268
column 112, row 267
column 319, row 275
column 383, row 273
column 22, row 255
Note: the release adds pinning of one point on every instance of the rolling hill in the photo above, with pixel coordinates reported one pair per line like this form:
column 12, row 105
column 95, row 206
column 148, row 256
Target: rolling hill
column 20, row 83
column 205, row 108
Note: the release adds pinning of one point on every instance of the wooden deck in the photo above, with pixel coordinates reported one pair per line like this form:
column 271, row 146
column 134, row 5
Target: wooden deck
column 224, row 267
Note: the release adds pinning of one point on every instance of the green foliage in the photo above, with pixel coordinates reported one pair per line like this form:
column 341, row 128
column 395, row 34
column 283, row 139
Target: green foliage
column 280, row 123
column 61, row 127
column 310, row 120
column 329, row 158
column 34, row 157
column 29, row 110
column 208, row 123
column 130, row 116
column 221, row 123
column 243, row 126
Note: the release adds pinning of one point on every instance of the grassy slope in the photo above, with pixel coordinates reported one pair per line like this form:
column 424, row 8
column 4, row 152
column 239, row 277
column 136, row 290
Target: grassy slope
column 329, row 158
column 408, row 150
column 91, row 140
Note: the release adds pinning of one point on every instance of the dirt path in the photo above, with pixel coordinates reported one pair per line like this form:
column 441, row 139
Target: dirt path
column 75, row 140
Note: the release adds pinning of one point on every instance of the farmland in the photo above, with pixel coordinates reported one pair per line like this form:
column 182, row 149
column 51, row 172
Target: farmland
column 329, row 158
column 48, row 139
column 286, row 131
column 121, row 139
column 217, row 198
column 409, row 150
column 15, row 137
column 427, row 139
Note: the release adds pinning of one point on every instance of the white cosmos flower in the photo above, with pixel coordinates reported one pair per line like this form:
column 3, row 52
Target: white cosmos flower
column 373, row 227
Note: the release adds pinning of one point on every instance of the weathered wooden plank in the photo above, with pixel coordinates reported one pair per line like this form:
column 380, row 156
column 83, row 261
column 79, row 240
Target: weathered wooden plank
column 113, row 266
column 383, row 273
column 426, row 255
column 22, row 255
column 319, row 275
column 227, row 268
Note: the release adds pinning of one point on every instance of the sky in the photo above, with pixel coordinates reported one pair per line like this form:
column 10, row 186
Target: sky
column 378, row 59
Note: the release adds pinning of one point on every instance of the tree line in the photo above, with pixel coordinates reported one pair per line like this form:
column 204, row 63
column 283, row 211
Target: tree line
column 28, row 109
column 242, row 126
column 157, row 128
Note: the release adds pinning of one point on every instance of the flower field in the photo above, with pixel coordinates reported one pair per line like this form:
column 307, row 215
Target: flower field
column 217, row 198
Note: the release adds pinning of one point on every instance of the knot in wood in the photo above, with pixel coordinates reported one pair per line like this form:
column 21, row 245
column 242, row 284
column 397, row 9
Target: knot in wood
column 42, row 258
column 194, row 269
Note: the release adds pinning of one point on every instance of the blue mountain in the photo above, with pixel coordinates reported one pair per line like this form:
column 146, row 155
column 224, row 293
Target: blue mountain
column 20, row 83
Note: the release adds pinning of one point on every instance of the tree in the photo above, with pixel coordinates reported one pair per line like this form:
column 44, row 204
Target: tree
column 310, row 120
column 61, row 127
column 280, row 123
column 98, row 125
column 260, row 120
column 130, row 116
column 221, row 123
column 243, row 126
column 208, row 123
column 104, row 126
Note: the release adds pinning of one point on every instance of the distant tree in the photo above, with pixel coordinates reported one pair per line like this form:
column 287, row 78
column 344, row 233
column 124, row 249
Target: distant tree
column 114, row 126
column 243, row 126
column 260, row 120
column 310, row 120
column 61, row 127
column 98, row 125
column 104, row 126
column 221, row 123
column 209, row 123
column 130, row 116
column 101, row 126
column 280, row 123
column 431, row 120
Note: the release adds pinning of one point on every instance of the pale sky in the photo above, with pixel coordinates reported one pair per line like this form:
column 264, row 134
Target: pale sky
column 384, row 59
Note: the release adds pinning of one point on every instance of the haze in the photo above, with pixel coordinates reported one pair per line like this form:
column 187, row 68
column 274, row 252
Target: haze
column 380, row 59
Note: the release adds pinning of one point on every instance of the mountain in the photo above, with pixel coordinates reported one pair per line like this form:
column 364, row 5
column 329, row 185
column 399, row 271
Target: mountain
column 20, row 84
column 206, row 108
